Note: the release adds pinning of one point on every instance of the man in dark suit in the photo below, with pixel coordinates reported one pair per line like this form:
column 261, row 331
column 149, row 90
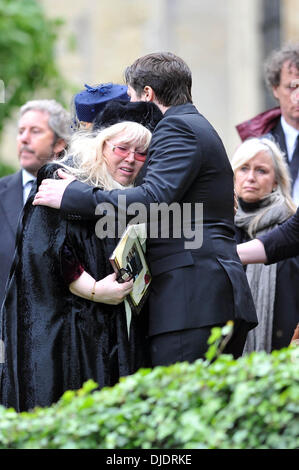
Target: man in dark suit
column 279, row 244
column 43, row 133
column 195, row 285
column 282, row 78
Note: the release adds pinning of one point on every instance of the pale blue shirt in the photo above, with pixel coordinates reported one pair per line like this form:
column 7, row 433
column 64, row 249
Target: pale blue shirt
column 27, row 181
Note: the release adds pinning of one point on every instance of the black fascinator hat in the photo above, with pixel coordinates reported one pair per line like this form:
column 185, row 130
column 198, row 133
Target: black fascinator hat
column 145, row 113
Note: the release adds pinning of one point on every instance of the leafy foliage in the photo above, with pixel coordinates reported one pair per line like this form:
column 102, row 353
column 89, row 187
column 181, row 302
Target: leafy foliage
column 27, row 54
column 249, row 403
column 6, row 169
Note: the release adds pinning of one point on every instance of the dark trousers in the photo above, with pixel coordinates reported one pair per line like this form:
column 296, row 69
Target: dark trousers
column 192, row 344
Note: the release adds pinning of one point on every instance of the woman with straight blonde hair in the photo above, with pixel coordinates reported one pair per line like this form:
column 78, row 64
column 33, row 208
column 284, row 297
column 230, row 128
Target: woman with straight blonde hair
column 262, row 184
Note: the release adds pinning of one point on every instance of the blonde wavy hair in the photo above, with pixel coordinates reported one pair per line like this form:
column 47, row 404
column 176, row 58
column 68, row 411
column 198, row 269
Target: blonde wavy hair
column 89, row 164
column 251, row 147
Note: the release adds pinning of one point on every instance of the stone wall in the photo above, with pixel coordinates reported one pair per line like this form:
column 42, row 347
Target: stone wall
column 219, row 39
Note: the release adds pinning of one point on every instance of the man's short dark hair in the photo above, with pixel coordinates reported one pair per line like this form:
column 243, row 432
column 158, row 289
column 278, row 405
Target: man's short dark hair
column 276, row 60
column 167, row 74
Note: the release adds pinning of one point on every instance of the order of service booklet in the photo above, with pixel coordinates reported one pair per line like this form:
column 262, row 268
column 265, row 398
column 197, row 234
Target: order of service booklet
column 129, row 262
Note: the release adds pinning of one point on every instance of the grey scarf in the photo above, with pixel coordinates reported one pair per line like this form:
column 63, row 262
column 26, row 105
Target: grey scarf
column 272, row 211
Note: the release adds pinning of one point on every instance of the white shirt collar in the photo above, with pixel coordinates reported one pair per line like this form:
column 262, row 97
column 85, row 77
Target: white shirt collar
column 290, row 136
column 26, row 176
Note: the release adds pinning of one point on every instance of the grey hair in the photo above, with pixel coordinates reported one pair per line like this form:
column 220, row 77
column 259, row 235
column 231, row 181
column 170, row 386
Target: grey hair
column 59, row 119
column 274, row 63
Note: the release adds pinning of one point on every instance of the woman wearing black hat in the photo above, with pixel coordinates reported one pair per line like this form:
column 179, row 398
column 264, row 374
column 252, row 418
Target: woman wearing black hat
column 54, row 339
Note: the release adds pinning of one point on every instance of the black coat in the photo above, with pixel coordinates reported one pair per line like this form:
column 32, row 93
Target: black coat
column 192, row 287
column 11, row 205
column 282, row 242
column 279, row 136
column 54, row 340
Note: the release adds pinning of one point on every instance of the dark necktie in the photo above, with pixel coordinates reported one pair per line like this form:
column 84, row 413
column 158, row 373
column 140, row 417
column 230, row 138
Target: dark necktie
column 28, row 187
column 294, row 163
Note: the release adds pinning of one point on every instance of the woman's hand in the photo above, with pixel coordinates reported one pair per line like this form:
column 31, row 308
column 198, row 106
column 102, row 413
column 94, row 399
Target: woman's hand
column 107, row 290
column 51, row 191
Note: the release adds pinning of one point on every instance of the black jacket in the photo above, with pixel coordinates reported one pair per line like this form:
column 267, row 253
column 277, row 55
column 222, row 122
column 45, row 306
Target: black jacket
column 282, row 242
column 11, row 205
column 286, row 304
column 192, row 286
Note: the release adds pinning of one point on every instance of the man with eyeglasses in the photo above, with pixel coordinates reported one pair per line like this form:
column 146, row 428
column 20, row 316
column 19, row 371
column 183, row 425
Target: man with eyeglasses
column 193, row 289
column 282, row 122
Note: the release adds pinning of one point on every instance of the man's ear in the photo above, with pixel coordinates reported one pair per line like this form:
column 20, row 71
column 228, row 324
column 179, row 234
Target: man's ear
column 149, row 94
column 59, row 146
column 274, row 91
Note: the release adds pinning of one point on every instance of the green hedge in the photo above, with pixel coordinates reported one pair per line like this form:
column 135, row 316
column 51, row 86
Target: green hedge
column 249, row 403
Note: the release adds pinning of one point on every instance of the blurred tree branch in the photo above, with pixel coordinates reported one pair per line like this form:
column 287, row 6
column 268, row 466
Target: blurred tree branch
column 27, row 55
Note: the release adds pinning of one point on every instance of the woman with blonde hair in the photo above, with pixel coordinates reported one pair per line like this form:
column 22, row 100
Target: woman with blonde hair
column 88, row 152
column 262, row 184
column 63, row 320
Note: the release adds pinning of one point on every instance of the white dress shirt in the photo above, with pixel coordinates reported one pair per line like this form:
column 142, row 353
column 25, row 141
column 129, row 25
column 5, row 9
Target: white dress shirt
column 291, row 135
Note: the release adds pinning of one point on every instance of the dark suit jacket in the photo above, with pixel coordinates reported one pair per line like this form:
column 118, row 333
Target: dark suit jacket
column 11, row 205
column 282, row 242
column 279, row 136
column 192, row 287
column 286, row 297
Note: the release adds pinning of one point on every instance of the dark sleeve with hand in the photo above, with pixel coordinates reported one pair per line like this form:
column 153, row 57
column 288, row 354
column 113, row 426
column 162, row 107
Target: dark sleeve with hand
column 283, row 241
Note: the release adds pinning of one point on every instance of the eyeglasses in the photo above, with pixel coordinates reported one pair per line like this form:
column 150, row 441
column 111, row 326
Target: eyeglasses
column 124, row 152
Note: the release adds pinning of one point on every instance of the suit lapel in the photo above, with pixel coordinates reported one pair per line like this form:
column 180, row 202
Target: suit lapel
column 278, row 134
column 11, row 200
